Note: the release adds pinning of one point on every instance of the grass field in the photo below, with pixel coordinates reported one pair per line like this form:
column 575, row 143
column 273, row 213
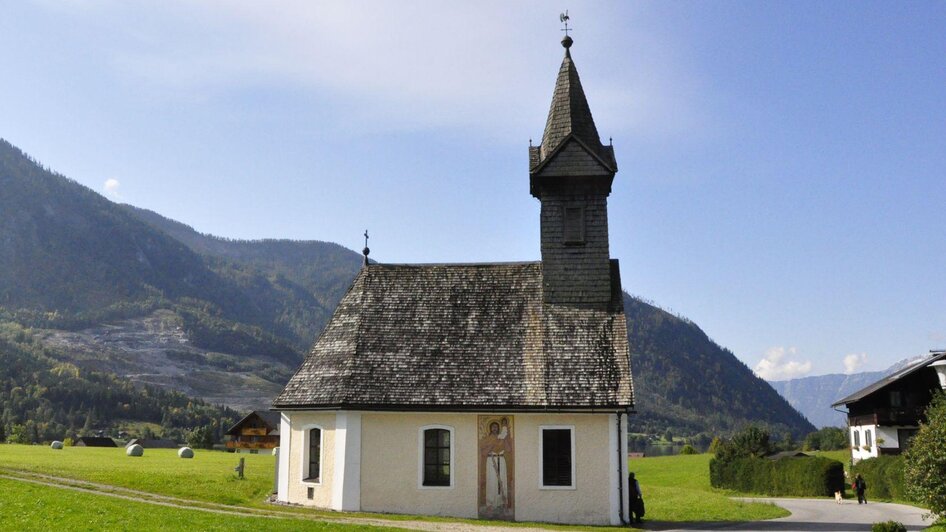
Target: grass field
column 208, row 476
column 29, row 507
column 676, row 488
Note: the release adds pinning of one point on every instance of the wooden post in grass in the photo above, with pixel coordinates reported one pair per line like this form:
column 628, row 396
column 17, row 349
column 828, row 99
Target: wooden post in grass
column 239, row 468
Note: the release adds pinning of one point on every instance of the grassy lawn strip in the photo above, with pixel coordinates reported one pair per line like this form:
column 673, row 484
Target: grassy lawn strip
column 208, row 476
column 677, row 488
column 25, row 506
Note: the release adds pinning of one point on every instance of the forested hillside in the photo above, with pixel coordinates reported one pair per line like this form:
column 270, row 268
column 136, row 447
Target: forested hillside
column 44, row 397
column 324, row 269
column 100, row 296
column 686, row 382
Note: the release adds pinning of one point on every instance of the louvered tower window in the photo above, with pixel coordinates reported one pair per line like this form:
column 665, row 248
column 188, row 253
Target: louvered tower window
column 574, row 230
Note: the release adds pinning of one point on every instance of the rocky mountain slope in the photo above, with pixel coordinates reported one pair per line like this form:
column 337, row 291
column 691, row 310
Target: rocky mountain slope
column 813, row 396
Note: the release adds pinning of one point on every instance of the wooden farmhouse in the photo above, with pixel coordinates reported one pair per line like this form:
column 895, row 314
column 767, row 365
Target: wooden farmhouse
column 884, row 416
column 498, row 390
column 94, row 441
column 153, row 443
column 258, row 430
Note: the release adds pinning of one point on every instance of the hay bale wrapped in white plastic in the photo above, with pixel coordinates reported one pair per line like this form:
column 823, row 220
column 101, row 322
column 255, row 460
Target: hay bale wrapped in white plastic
column 135, row 450
column 57, row 445
column 185, row 452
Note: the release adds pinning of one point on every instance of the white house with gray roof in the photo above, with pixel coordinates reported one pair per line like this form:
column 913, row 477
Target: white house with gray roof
column 498, row 390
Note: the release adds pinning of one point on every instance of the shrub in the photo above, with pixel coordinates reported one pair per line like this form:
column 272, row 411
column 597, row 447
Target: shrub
column 925, row 462
column 688, row 449
column 750, row 442
column 888, row 526
column 827, row 439
column 884, row 477
column 68, row 442
column 811, row 476
column 715, row 444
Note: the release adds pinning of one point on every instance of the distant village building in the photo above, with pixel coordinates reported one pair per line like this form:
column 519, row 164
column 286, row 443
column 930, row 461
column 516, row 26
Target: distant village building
column 496, row 390
column 883, row 417
column 94, row 441
column 153, row 443
column 257, row 430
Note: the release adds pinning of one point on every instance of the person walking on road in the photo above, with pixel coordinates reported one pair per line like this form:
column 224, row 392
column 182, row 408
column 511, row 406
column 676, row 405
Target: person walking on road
column 860, row 487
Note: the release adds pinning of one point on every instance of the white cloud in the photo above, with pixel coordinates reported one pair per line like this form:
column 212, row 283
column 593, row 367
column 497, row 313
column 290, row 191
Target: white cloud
column 853, row 362
column 405, row 66
column 778, row 364
column 110, row 187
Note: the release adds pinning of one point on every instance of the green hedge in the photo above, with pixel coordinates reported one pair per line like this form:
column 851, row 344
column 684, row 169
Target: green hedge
column 812, row 476
column 884, row 477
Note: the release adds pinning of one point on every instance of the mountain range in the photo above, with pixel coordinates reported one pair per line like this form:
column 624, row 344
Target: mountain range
column 118, row 290
column 813, row 396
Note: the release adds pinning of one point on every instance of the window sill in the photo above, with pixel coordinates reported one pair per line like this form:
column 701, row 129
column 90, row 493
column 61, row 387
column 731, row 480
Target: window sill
column 422, row 487
column 557, row 488
column 313, row 481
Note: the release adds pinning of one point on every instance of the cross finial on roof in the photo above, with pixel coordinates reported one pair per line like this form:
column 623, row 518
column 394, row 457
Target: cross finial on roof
column 566, row 41
column 366, row 250
column 565, row 18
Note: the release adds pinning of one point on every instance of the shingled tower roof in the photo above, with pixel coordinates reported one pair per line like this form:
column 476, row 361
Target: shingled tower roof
column 570, row 117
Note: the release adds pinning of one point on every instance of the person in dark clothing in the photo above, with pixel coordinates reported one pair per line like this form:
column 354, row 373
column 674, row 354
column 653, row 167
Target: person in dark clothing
column 636, row 499
column 860, row 487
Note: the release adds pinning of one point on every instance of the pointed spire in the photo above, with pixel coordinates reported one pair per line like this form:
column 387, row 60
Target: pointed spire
column 569, row 113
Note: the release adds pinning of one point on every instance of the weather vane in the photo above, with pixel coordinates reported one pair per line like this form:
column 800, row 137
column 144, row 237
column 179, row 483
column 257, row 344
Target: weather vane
column 564, row 18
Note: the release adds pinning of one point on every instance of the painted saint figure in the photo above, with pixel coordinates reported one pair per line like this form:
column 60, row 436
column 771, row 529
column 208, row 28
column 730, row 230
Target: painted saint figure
column 496, row 449
column 497, row 484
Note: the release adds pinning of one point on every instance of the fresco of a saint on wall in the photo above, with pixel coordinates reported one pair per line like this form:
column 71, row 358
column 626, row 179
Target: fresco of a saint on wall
column 496, row 466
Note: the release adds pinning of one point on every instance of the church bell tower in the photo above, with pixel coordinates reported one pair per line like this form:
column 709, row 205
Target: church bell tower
column 571, row 174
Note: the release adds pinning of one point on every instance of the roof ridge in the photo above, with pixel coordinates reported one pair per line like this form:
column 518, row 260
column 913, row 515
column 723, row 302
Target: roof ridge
column 462, row 264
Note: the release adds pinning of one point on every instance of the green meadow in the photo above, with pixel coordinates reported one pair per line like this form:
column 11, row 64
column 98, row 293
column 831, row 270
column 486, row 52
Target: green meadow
column 676, row 489
column 29, row 507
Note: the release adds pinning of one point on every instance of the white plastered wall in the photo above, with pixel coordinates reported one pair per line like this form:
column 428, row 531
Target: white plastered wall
column 292, row 458
column 590, row 501
column 388, row 464
column 862, row 451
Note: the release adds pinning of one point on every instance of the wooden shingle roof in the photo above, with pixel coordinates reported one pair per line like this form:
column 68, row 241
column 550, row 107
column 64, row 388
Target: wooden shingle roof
column 463, row 337
column 570, row 118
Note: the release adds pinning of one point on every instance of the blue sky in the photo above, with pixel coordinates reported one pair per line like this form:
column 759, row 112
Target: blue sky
column 781, row 164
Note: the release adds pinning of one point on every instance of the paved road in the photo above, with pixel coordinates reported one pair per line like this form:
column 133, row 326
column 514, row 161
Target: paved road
column 820, row 515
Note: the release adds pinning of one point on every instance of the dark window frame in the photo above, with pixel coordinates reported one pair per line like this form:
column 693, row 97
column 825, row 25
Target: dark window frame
column 436, row 457
column 896, row 399
column 557, row 457
column 314, row 450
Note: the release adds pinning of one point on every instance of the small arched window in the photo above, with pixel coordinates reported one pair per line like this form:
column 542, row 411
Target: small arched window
column 436, row 457
column 314, row 469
